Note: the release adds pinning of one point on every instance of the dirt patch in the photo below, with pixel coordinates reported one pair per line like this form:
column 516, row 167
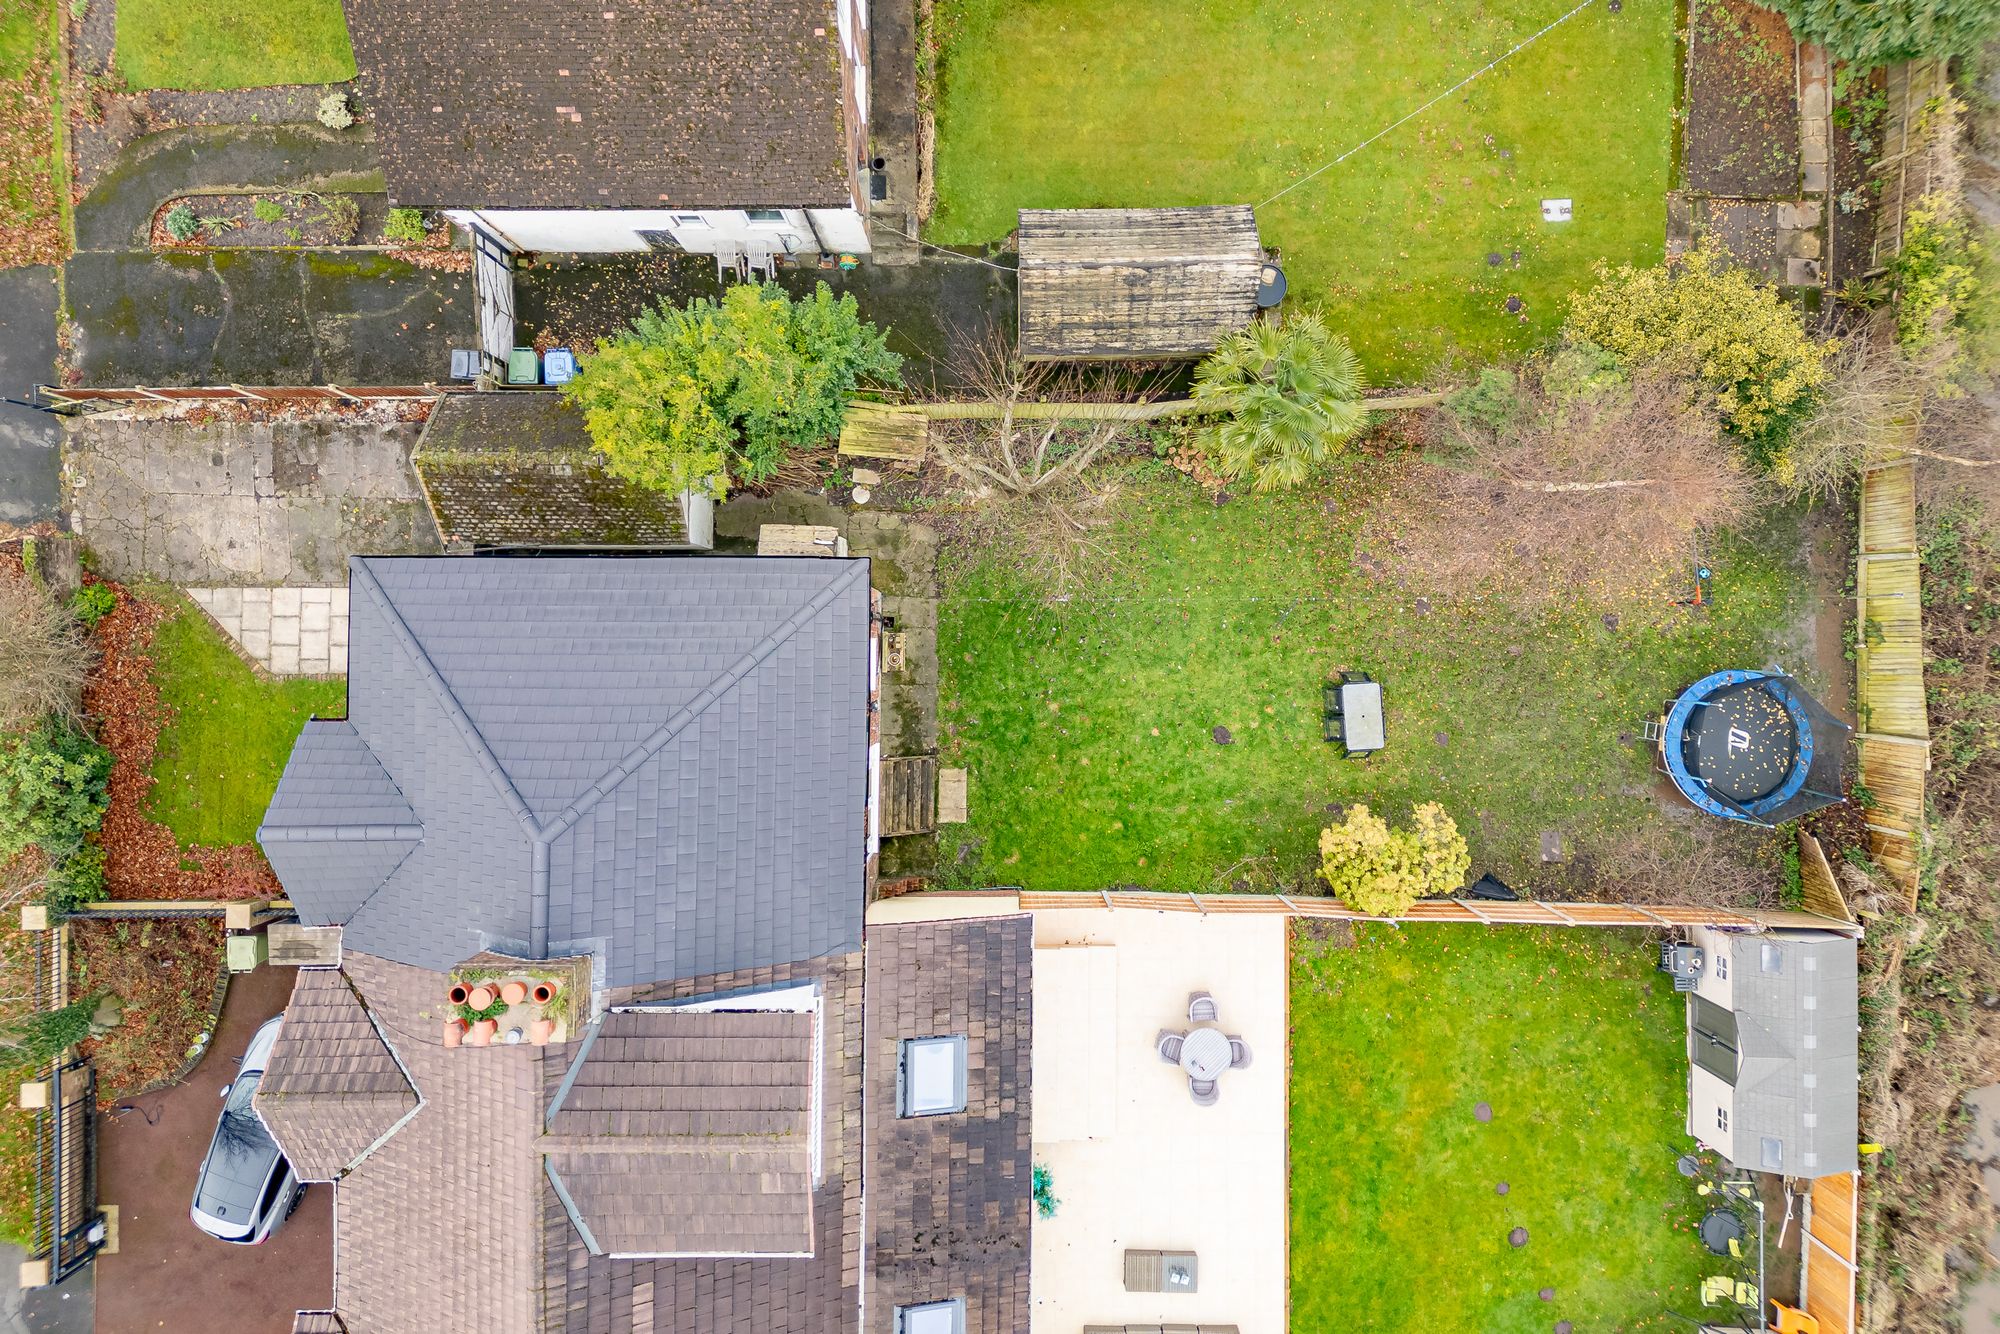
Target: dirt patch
column 1742, row 101
column 30, row 230
column 260, row 221
column 142, row 859
column 1859, row 110
column 164, row 975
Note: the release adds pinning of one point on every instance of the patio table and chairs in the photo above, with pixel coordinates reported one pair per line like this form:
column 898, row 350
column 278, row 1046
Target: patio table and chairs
column 1203, row 1052
column 1353, row 714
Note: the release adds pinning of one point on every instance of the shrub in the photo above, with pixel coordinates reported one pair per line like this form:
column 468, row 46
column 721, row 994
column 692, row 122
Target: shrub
column 1492, row 402
column 342, row 218
column 1382, row 871
column 405, row 225
column 1944, row 280
column 1292, row 392
column 1044, row 1190
column 334, row 112
column 43, row 659
column 1709, row 321
column 266, row 209
column 716, row 392
column 44, row 1035
column 92, row 603
column 75, row 881
column 54, row 785
column 1578, row 370
column 1875, row 32
column 181, row 223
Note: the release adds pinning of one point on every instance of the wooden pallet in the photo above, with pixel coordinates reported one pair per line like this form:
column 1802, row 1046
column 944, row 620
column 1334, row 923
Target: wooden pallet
column 876, row 431
column 909, row 795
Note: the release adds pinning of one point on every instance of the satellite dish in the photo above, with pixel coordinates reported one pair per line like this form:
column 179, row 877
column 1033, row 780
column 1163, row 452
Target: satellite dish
column 1270, row 286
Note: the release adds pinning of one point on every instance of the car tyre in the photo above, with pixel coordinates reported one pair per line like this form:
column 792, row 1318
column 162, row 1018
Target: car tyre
column 297, row 1195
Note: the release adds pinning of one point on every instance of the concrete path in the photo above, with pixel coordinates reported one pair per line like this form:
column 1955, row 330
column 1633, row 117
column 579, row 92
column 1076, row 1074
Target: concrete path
column 286, row 631
column 247, row 316
column 244, row 503
column 30, row 454
column 67, row 1308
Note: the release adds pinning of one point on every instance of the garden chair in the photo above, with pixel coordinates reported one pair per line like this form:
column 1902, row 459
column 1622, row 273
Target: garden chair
column 1715, row 1289
column 1202, row 1091
column 1791, row 1320
column 1239, row 1053
column 1168, row 1044
column 1201, row 1008
column 1355, row 678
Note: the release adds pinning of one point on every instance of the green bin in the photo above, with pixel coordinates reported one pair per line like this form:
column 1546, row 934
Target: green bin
column 524, row 367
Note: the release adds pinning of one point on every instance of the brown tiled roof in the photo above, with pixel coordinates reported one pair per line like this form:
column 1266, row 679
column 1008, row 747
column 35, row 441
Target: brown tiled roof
column 317, row 1322
column 817, row 1294
column 332, row 1088
column 688, row 1134
column 628, row 103
column 515, row 467
column 949, row 1196
column 437, row 1229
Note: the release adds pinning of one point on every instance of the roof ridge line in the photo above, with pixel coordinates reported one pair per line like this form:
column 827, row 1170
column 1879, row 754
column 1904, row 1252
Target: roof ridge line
column 482, row 754
column 566, row 818
column 339, row 833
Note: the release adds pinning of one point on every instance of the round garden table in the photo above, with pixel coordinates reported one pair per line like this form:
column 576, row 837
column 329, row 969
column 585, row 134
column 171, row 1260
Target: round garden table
column 1205, row 1053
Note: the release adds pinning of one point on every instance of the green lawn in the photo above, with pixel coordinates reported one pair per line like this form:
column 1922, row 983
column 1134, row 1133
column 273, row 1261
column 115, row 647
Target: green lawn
column 1082, row 103
column 1087, row 728
column 33, row 178
column 218, row 44
column 229, row 732
column 1576, row 1044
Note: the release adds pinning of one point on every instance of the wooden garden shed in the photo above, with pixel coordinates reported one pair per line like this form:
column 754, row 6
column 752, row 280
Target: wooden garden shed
column 1136, row 284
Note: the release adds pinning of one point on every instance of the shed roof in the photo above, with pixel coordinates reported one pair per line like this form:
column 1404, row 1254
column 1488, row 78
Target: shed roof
column 333, row 1089
column 1795, row 998
column 659, row 759
column 633, row 104
column 688, row 1133
column 516, row 468
column 1135, row 283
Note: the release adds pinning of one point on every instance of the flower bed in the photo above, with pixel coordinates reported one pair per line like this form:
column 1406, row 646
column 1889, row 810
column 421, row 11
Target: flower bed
column 287, row 220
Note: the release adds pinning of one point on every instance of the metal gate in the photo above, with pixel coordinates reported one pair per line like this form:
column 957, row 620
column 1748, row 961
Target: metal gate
column 493, row 288
column 69, row 1227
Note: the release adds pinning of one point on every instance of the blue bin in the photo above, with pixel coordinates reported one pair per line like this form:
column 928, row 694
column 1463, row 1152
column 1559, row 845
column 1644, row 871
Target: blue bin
column 558, row 366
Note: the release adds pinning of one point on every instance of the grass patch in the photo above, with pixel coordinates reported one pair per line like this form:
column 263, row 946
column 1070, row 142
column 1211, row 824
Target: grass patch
column 228, row 732
column 211, row 44
column 32, row 178
column 1577, row 1046
column 1087, row 727
column 1070, row 103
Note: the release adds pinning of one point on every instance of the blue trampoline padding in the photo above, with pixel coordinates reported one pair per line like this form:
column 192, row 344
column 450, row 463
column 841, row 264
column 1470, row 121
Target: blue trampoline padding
column 1673, row 744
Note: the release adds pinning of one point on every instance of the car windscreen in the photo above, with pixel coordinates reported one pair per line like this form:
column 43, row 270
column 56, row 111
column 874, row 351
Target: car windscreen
column 240, row 1159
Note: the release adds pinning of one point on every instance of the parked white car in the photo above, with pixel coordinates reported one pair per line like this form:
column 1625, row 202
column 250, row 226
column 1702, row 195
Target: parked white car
column 246, row 1188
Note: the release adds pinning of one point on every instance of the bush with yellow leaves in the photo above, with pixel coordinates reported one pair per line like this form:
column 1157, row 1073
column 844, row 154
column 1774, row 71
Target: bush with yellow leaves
column 1382, row 871
column 1702, row 318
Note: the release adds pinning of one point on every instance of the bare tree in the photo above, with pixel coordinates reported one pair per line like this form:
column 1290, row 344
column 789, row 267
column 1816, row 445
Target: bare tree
column 1606, row 496
column 43, row 657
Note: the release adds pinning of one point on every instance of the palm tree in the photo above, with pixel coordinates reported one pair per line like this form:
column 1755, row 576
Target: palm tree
column 1292, row 392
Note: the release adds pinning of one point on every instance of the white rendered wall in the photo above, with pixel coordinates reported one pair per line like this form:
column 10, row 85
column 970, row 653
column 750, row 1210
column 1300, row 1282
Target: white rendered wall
column 700, row 231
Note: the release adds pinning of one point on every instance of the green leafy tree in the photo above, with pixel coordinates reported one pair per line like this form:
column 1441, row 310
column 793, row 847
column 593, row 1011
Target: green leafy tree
column 701, row 396
column 1292, row 392
column 54, row 785
column 1875, row 32
column 1382, row 871
column 1711, row 322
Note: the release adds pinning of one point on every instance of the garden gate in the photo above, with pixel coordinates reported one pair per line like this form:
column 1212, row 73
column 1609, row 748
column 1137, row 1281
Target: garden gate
column 493, row 288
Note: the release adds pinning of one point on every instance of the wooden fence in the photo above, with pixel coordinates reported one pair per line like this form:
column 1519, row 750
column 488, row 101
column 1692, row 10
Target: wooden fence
column 236, row 393
column 1913, row 156
column 1832, row 1230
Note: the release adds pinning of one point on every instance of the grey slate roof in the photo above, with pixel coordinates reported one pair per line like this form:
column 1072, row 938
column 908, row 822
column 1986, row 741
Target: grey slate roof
column 949, row 1205
column 634, row 104
column 660, row 758
column 681, row 1133
column 1795, row 996
column 516, row 468
column 333, row 1089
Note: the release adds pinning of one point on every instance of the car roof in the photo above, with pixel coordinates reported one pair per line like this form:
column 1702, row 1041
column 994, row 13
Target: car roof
column 239, row 1162
column 259, row 1053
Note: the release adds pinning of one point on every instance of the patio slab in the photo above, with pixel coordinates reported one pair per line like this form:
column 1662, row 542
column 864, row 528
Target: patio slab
column 1135, row 1163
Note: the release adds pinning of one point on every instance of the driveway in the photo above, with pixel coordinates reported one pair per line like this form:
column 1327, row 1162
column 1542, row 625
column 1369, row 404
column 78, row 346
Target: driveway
column 160, row 496
column 167, row 1275
column 30, row 457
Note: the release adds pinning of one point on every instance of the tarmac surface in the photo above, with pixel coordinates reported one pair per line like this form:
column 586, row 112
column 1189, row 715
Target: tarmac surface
column 30, row 441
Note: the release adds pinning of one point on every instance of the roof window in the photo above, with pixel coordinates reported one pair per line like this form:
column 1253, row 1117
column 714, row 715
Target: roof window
column 930, row 1076
column 947, row 1317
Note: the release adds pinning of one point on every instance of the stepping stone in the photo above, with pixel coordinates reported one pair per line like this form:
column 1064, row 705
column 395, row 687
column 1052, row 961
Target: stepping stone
column 1610, row 619
column 1552, row 846
column 1221, row 736
column 1495, row 259
column 1501, row 1188
column 1442, row 738
column 1518, row 1238
column 1423, row 606
column 1547, row 1294
column 1514, row 304
column 1564, row 1327
column 1483, row 1112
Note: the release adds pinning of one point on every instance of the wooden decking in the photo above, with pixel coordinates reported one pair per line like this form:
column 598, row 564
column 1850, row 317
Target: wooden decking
column 1894, row 738
column 1832, row 1231
column 909, row 795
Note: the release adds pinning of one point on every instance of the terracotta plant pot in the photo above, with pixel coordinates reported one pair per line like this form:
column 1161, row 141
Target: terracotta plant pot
column 545, row 991
column 481, row 1033
column 541, row 1031
column 481, row 997
column 513, row 992
column 459, row 991
column 454, row 1032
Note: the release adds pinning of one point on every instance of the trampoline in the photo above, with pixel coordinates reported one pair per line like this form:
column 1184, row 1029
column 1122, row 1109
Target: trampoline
column 1753, row 746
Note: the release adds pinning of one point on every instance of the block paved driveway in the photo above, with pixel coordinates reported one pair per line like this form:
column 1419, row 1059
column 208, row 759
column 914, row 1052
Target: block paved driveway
column 167, row 1275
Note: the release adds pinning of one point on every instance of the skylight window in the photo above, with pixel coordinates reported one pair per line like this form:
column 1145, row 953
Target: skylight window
column 932, row 1318
column 930, row 1076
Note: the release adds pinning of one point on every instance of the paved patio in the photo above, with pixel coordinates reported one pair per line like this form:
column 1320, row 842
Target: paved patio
column 286, row 631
